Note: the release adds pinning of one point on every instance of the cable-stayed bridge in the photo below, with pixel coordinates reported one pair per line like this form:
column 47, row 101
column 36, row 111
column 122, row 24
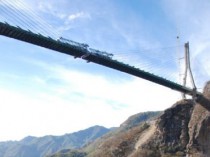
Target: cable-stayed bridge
column 27, row 34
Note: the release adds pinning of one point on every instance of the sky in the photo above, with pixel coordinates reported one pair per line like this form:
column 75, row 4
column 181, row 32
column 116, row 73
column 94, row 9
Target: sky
column 44, row 92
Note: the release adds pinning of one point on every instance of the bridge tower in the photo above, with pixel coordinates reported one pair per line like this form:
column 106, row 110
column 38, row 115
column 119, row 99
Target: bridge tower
column 187, row 70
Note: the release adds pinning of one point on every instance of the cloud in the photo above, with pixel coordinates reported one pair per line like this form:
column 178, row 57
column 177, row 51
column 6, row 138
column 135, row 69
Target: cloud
column 75, row 16
column 61, row 19
column 82, row 100
column 51, row 9
column 92, row 86
column 69, row 19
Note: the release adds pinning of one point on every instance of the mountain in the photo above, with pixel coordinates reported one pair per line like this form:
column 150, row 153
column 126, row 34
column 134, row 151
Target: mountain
column 182, row 130
column 40, row 147
column 117, row 134
column 138, row 118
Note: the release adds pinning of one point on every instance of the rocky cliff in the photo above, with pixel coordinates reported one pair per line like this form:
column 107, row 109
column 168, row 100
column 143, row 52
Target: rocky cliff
column 182, row 130
column 171, row 135
column 199, row 126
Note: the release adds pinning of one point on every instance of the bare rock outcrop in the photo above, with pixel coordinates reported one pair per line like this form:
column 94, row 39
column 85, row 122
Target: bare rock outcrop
column 199, row 126
column 171, row 136
column 182, row 130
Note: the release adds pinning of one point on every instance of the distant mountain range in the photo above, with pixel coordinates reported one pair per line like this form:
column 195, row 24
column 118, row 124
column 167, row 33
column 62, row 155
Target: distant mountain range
column 69, row 144
column 101, row 146
column 43, row 146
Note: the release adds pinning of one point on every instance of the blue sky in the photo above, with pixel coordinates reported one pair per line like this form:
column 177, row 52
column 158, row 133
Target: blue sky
column 45, row 92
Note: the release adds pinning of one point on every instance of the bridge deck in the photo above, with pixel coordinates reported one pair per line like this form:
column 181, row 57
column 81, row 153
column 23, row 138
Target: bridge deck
column 76, row 51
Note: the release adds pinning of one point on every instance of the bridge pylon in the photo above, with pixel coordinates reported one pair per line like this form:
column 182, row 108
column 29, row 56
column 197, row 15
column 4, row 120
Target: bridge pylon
column 187, row 70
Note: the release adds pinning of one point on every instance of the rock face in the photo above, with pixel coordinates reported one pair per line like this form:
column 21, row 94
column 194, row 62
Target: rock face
column 182, row 130
column 171, row 136
column 199, row 127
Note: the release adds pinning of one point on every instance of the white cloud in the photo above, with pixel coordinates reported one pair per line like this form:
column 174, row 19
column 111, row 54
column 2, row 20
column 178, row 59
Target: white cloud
column 51, row 9
column 81, row 100
column 68, row 19
column 89, row 85
column 75, row 16
column 92, row 86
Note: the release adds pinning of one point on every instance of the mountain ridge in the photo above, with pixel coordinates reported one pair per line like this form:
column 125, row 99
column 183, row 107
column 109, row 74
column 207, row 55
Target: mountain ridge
column 42, row 146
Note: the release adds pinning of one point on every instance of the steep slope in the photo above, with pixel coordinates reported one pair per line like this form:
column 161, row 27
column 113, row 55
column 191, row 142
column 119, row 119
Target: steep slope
column 39, row 147
column 171, row 135
column 199, row 126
